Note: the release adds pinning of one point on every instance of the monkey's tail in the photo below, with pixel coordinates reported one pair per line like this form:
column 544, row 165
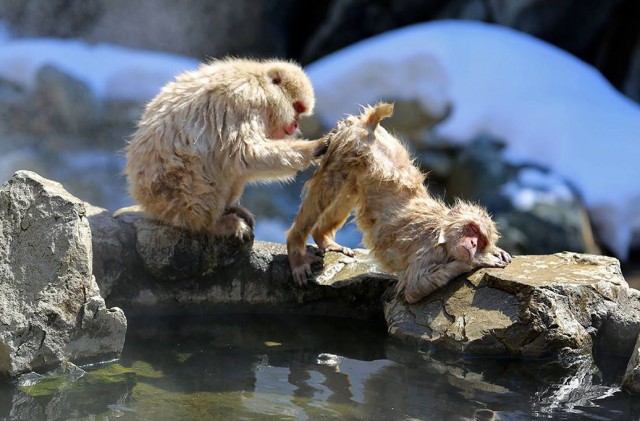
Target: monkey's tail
column 376, row 113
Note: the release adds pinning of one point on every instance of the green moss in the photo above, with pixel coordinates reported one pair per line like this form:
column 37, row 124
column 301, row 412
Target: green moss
column 93, row 381
column 45, row 387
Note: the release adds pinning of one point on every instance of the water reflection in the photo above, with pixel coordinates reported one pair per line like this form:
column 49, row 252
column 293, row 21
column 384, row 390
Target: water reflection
column 258, row 367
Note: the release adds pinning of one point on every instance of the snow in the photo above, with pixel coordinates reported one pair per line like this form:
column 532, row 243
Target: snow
column 534, row 187
column 547, row 105
column 111, row 72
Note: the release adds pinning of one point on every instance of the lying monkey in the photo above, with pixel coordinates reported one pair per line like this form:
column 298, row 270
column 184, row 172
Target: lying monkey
column 424, row 241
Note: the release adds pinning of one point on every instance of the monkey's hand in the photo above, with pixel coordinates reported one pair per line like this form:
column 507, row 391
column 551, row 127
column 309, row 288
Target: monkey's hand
column 490, row 260
column 502, row 255
column 301, row 266
column 322, row 146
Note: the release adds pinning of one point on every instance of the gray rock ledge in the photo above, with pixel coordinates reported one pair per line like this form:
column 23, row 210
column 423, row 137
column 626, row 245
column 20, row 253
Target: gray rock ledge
column 148, row 268
column 550, row 306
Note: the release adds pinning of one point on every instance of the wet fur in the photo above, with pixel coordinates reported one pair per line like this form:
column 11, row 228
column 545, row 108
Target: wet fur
column 211, row 131
column 408, row 231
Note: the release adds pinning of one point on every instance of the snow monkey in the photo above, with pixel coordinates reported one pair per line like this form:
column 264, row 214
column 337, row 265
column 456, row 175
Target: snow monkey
column 424, row 241
column 211, row 131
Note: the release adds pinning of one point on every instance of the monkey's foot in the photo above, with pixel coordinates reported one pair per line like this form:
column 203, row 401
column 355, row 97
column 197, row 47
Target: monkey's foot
column 230, row 225
column 329, row 245
column 244, row 214
column 301, row 267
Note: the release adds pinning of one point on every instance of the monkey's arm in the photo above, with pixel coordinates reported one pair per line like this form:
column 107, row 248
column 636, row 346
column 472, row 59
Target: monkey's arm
column 275, row 159
column 439, row 274
column 318, row 197
column 300, row 260
column 430, row 278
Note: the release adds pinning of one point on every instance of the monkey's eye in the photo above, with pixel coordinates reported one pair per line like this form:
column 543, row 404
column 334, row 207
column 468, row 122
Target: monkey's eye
column 299, row 107
column 276, row 80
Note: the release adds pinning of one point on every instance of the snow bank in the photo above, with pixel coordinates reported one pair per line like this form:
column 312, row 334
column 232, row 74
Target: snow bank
column 548, row 106
column 111, row 72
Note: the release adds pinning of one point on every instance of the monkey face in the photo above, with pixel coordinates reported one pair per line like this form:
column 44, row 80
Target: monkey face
column 290, row 95
column 463, row 240
column 470, row 242
column 469, row 229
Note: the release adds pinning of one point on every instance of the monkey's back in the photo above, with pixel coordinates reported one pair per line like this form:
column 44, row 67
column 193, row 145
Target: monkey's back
column 391, row 195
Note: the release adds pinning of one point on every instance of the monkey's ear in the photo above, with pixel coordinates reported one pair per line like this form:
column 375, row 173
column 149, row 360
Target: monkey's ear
column 275, row 76
column 377, row 113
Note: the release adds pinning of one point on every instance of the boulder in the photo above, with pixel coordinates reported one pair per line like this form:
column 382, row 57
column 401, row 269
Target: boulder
column 51, row 310
column 549, row 306
column 59, row 103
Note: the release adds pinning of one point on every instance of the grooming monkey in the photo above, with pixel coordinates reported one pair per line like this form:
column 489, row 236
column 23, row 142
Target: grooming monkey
column 424, row 241
column 211, row 131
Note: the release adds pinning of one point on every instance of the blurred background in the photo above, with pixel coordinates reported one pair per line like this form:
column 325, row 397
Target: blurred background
column 529, row 107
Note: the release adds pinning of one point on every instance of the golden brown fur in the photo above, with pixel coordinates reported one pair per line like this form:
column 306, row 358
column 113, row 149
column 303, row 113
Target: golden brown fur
column 410, row 233
column 211, row 131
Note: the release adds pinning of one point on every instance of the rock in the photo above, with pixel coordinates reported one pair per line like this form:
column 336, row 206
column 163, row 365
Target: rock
column 164, row 26
column 56, row 18
column 479, row 170
column 60, row 103
column 149, row 268
column 565, row 24
column 631, row 379
column 538, row 307
column 603, row 33
column 51, row 310
column 412, row 119
column 618, row 335
column 553, row 306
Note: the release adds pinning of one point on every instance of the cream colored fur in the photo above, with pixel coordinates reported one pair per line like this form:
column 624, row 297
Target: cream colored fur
column 408, row 231
column 211, row 131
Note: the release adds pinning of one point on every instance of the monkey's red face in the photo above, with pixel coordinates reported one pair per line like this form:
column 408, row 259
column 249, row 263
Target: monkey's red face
column 471, row 241
column 290, row 128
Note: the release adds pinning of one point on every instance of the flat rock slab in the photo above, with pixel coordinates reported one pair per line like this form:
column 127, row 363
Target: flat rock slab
column 538, row 307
